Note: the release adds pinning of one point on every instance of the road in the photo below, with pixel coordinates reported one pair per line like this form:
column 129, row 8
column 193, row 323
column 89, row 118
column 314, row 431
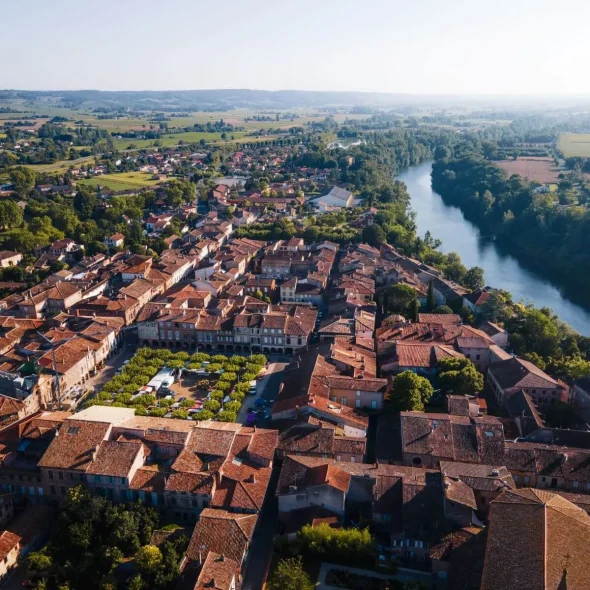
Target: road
column 267, row 388
column 111, row 366
column 260, row 552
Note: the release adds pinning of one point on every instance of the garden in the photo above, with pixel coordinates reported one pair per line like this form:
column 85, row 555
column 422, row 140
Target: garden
column 223, row 382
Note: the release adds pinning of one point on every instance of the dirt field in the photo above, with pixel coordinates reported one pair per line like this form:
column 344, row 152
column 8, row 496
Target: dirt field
column 537, row 169
column 188, row 387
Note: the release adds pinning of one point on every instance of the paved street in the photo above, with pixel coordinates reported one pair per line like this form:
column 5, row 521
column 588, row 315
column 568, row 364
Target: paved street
column 267, row 388
column 260, row 553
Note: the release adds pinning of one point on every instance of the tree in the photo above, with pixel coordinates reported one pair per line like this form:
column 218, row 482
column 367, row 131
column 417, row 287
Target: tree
column 373, row 235
column 495, row 309
column 414, row 310
column 11, row 215
column 410, row 392
column 561, row 415
column 290, row 575
column 444, row 309
column 38, row 561
column 399, row 297
column 23, row 179
column 148, row 558
column 459, row 376
column 430, row 299
column 474, row 278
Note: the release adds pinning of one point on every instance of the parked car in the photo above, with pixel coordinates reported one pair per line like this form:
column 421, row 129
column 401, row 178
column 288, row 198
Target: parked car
column 251, row 419
column 260, row 403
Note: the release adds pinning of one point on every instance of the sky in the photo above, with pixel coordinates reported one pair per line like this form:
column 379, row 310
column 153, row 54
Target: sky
column 474, row 47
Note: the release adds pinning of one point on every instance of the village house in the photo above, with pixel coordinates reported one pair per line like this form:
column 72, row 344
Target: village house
column 8, row 258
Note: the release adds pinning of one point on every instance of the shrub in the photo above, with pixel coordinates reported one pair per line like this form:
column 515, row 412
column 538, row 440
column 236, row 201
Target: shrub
column 140, row 411
column 214, row 367
column 219, row 358
column 237, row 396
column 204, row 415
column 212, row 405
column 226, row 416
column 258, row 359
column 231, row 368
column 158, row 412
column 200, row 357
column 217, row 394
column 223, row 386
column 164, row 403
column 233, row 406
column 247, row 377
column 187, row 403
column 104, row 396
column 231, row 377
column 181, row 414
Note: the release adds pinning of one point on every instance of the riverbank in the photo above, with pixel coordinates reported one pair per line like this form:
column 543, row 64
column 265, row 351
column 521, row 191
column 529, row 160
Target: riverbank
column 503, row 269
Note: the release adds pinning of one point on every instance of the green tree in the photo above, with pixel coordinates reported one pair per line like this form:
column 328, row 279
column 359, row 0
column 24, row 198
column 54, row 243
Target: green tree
column 23, row 179
column 430, row 298
column 38, row 561
column 290, row 575
column 11, row 215
column 373, row 235
column 148, row 558
column 459, row 376
column 474, row 278
column 444, row 309
column 400, row 297
column 410, row 392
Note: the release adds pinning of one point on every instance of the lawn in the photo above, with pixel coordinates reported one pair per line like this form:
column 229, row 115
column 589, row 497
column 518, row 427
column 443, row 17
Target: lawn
column 574, row 144
column 122, row 182
column 60, row 166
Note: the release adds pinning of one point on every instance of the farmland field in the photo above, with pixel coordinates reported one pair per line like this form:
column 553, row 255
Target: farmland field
column 574, row 144
column 536, row 169
column 61, row 165
column 122, row 182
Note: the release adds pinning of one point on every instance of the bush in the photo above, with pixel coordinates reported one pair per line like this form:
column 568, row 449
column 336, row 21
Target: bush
column 158, row 412
column 217, row 394
column 164, row 403
column 103, row 396
column 226, row 416
column 290, row 575
column 187, row 403
column 200, row 357
column 204, row 415
column 237, row 396
column 140, row 411
column 239, row 360
column 247, row 377
column 231, row 368
column 351, row 546
column 219, row 358
column 233, row 406
column 253, row 368
column 230, row 377
column 180, row 414
column 212, row 405
column 147, row 399
column 258, row 359
column 214, row 367
column 203, row 384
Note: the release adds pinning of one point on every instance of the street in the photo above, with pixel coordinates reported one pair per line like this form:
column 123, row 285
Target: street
column 260, row 553
column 267, row 388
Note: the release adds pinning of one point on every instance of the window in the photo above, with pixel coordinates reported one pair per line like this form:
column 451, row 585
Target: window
column 527, row 479
column 353, row 459
column 434, row 424
column 576, row 484
column 343, row 399
column 50, row 474
column 62, row 490
column 52, row 490
column 515, row 478
column 358, row 393
column 373, row 404
column 60, row 474
column 358, row 403
column 477, row 357
column 489, row 433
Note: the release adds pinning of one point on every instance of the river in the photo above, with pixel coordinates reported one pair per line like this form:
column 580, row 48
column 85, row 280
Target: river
column 501, row 270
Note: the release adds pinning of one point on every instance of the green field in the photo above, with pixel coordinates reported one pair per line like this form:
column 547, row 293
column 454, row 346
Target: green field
column 574, row 144
column 122, row 182
column 174, row 139
column 61, row 165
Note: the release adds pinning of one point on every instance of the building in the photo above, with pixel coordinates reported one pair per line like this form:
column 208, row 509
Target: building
column 115, row 241
column 507, row 377
column 335, row 199
column 8, row 258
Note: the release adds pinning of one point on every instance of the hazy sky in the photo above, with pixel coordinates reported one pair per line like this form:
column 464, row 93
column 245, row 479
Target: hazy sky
column 409, row 46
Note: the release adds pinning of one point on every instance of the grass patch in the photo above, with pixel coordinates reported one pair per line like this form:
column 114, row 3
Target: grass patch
column 60, row 166
column 574, row 144
column 122, row 182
